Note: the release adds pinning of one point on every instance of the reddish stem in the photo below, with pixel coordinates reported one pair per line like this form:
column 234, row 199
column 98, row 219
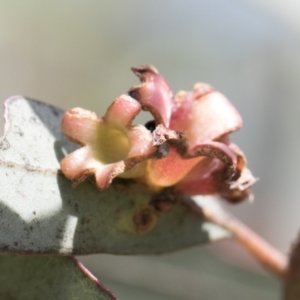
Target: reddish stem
column 267, row 255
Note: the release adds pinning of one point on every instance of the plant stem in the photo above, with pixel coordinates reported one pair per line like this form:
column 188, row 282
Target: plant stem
column 267, row 255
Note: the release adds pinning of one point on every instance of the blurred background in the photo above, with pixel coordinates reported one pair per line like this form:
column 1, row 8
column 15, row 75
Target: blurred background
column 79, row 53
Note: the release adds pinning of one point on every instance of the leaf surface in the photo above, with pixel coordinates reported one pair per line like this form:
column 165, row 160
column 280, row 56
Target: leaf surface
column 40, row 211
column 48, row 277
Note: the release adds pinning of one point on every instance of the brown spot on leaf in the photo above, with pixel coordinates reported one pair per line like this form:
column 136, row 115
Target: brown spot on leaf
column 145, row 220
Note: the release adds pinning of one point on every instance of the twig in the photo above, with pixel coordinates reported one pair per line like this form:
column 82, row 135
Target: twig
column 268, row 256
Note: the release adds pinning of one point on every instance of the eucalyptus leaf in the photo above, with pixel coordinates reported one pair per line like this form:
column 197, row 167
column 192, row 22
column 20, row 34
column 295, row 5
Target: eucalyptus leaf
column 48, row 277
column 40, row 211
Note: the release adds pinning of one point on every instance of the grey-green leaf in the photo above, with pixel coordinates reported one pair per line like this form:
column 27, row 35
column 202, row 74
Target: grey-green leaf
column 40, row 211
column 48, row 277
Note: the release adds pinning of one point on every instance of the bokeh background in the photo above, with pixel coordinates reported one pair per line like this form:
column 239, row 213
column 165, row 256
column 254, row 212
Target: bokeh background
column 79, row 53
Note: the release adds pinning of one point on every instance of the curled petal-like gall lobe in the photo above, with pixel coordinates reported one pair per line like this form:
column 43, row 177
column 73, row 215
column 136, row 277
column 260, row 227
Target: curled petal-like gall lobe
column 204, row 114
column 110, row 145
column 210, row 177
column 154, row 94
column 182, row 158
column 195, row 126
